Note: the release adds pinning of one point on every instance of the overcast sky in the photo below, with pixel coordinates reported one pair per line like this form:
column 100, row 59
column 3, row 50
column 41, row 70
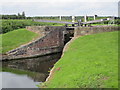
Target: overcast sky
column 60, row 7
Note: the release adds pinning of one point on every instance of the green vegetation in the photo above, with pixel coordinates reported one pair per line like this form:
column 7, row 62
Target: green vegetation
column 90, row 62
column 117, row 21
column 33, row 75
column 16, row 71
column 105, row 24
column 0, row 69
column 0, row 43
column 14, row 39
column 19, row 16
column 10, row 24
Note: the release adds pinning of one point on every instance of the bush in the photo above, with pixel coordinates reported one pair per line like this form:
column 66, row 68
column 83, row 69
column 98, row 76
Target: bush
column 117, row 21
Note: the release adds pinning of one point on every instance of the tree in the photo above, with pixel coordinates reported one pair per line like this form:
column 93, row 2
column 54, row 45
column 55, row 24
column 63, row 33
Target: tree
column 23, row 15
column 95, row 15
column 19, row 15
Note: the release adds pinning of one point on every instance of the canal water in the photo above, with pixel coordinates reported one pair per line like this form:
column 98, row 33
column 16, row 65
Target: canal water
column 27, row 73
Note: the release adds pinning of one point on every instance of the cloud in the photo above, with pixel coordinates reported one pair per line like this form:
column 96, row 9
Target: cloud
column 60, row 0
column 61, row 8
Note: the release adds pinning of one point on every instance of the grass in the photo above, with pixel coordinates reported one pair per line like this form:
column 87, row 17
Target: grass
column 90, row 62
column 14, row 39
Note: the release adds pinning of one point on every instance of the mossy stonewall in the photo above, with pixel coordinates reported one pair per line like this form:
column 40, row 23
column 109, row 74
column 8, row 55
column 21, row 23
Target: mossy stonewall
column 90, row 62
column 14, row 39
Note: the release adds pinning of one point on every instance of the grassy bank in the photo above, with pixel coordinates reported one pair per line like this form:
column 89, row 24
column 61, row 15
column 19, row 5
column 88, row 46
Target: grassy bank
column 14, row 39
column 90, row 62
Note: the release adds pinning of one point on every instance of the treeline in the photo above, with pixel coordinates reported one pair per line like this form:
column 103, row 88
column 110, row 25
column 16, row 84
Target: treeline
column 19, row 16
column 63, row 18
column 23, row 16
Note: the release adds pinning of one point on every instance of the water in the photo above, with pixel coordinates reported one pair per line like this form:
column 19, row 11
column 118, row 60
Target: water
column 10, row 80
column 27, row 73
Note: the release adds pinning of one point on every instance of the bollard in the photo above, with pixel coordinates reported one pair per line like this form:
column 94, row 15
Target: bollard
column 73, row 25
column 66, row 25
column 79, row 22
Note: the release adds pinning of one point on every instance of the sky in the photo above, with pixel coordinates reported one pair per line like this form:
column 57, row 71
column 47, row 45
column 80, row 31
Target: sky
column 60, row 7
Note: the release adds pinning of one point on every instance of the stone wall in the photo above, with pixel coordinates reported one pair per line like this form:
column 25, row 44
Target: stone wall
column 81, row 31
column 51, row 42
column 42, row 30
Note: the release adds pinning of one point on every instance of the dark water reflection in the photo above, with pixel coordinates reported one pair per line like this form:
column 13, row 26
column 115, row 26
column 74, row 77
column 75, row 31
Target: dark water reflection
column 35, row 69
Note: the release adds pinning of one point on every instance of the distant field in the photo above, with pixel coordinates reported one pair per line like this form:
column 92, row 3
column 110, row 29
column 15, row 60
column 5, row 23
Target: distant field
column 90, row 62
column 14, row 39
column 10, row 24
